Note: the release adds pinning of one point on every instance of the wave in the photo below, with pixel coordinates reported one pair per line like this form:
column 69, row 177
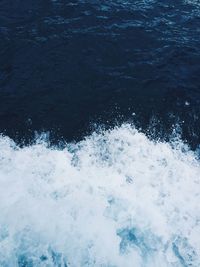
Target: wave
column 116, row 198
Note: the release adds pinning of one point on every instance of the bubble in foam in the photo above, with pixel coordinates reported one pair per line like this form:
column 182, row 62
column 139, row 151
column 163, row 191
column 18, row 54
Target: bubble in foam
column 114, row 199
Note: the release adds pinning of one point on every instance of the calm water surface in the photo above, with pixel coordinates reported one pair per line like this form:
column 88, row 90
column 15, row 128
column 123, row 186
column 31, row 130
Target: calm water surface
column 67, row 65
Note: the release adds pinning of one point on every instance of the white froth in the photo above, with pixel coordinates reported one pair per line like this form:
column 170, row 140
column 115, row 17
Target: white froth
column 114, row 199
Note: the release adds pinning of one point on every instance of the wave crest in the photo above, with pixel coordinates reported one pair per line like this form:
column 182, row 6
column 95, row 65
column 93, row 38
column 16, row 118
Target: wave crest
column 114, row 199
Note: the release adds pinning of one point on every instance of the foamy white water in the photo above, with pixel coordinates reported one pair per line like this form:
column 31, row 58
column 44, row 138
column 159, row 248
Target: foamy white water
column 114, row 199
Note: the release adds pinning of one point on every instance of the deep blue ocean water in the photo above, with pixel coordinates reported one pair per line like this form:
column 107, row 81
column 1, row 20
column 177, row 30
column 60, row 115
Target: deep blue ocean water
column 68, row 65
column 99, row 133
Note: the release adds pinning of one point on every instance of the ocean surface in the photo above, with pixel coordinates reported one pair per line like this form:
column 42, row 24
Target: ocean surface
column 99, row 133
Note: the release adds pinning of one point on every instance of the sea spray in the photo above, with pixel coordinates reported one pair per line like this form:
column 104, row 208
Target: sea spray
column 114, row 199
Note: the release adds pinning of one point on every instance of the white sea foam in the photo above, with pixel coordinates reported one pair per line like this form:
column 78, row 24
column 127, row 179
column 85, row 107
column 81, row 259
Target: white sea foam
column 114, row 199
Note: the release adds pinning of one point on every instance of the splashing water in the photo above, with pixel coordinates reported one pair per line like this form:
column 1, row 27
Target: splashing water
column 114, row 199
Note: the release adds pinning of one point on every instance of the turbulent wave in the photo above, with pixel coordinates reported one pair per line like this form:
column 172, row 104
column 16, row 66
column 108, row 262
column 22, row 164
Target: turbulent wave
column 114, row 199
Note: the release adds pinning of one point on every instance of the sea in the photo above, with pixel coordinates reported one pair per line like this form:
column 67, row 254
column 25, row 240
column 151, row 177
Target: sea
column 99, row 133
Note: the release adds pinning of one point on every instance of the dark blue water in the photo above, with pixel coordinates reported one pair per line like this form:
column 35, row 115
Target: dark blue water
column 67, row 65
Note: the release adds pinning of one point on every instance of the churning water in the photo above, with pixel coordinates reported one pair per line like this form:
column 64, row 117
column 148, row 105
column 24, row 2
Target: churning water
column 114, row 199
